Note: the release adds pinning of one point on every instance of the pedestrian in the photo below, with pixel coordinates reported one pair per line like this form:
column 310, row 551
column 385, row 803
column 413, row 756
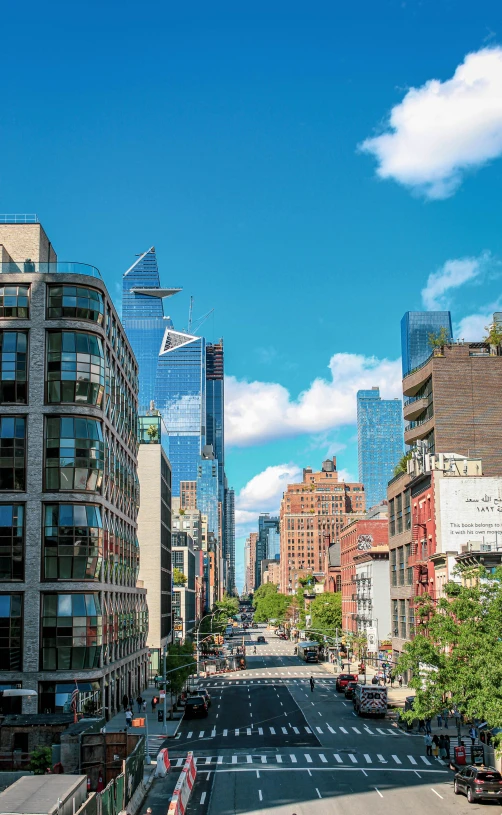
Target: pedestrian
column 400, row 680
column 312, row 684
column 446, row 713
column 473, row 734
column 143, row 706
column 154, row 703
column 447, row 745
column 440, row 720
column 156, row 680
column 392, row 679
column 442, row 747
column 456, row 715
column 125, row 701
column 139, row 702
column 428, row 725
column 131, row 702
column 421, row 726
column 128, row 717
column 435, row 746
column 428, row 744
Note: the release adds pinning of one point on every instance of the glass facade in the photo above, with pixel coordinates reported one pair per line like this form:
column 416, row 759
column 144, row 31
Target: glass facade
column 379, row 442
column 207, row 492
column 268, row 531
column 11, row 631
column 72, row 542
column 415, row 329
column 14, row 367
column 74, row 453
column 72, row 631
column 215, row 408
column 12, row 453
column 75, row 368
column 14, row 301
column 11, row 541
column 75, row 302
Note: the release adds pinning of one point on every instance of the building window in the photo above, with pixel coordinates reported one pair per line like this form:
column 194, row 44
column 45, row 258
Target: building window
column 75, row 302
column 392, row 518
column 407, row 509
column 74, row 454
column 395, row 619
column 14, row 301
column 73, row 542
column 399, row 513
column 411, row 620
column 75, row 368
column 402, row 619
column 393, row 568
column 11, row 631
column 13, row 367
column 11, row 541
column 401, row 565
column 71, row 632
column 12, row 453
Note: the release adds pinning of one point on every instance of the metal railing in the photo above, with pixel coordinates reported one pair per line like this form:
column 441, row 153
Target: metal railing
column 58, row 267
column 19, row 219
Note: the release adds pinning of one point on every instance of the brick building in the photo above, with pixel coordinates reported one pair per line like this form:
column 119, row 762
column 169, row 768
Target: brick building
column 332, row 569
column 357, row 537
column 452, row 402
column 402, row 590
column 313, row 513
column 250, row 560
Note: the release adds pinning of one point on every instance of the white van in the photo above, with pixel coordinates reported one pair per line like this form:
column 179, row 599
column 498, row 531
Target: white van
column 370, row 700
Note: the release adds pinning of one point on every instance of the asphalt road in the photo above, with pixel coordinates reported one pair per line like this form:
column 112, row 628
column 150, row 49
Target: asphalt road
column 269, row 745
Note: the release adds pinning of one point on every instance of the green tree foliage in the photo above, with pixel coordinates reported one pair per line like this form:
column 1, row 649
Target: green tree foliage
column 401, row 465
column 40, row 760
column 270, row 604
column 179, row 579
column 228, row 606
column 326, row 613
column 494, row 335
column 456, row 656
column 178, row 656
column 440, row 339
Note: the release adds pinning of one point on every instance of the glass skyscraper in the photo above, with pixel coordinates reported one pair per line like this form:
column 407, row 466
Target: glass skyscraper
column 207, row 488
column 215, row 433
column 379, row 442
column 415, row 329
column 268, row 530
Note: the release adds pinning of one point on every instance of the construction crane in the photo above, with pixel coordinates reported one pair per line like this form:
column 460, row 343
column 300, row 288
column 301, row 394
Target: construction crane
column 202, row 320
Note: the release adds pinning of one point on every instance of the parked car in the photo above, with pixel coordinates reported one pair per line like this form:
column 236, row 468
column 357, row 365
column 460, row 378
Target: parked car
column 196, row 706
column 478, row 783
column 343, row 680
column 202, row 692
column 349, row 690
column 260, row 639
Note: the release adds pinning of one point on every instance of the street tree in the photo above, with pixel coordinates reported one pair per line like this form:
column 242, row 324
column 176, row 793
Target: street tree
column 227, row 606
column 456, row 655
column 326, row 613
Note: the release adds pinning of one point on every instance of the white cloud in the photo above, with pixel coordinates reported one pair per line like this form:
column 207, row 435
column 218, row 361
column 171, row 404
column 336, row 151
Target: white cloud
column 443, row 129
column 263, row 493
column 256, row 412
column 472, row 327
column 451, row 275
column 345, row 475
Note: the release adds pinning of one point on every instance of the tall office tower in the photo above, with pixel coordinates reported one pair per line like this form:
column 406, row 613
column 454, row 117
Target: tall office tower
column 379, row 442
column 188, row 495
column 71, row 615
column 266, row 525
column 416, row 327
column 452, row 404
column 250, row 558
column 215, row 430
column 312, row 516
column 229, row 538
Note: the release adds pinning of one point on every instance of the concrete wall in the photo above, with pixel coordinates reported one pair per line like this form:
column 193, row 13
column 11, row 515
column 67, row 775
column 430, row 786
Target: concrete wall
column 23, row 241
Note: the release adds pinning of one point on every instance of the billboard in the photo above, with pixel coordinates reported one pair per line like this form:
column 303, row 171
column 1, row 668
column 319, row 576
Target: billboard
column 470, row 510
column 371, row 636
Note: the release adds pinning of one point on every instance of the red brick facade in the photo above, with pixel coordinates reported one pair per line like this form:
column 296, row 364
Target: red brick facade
column 357, row 537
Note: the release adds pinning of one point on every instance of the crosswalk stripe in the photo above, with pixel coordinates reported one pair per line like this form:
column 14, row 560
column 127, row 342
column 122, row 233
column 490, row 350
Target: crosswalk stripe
column 249, row 759
column 179, row 763
column 248, row 731
column 190, row 734
column 368, row 759
column 201, row 734
column 308, row 758
column 278, row 759
column 330, row 728
column 272, row 730
column 368, row 730
column 209, row 759
column 356, row 730
column 353, row 758
column 225, row 732
column 397, row 760
column 381, row 758
column 220, row 760
column 213, row 732
column 236, row 731
column 425, row 760
column 264, row 759
column 344, row 731
column 319, row 730
column 295, row 729
column 260, row 731
column 323, row 758
column 284, row 730
column 381, row 731
column 293, row 759
column 337, row 758
column 234, row 759
column 391, row 731
column 412, row 759
column 308, row 730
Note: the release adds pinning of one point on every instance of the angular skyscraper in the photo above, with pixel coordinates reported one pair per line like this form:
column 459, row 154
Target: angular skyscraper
column 215, row 432
column 268, row 531
column 379, row 442
column 415, row 329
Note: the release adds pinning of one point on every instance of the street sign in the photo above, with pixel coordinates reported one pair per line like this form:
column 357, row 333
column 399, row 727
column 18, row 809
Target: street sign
column 162, row 694
column 371, row 637
column 178, row 626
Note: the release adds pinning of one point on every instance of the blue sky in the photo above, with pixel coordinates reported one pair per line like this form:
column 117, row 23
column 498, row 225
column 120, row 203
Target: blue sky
column 250, row 143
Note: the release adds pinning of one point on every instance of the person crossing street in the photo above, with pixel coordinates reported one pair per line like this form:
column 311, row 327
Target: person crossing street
column 312, row 684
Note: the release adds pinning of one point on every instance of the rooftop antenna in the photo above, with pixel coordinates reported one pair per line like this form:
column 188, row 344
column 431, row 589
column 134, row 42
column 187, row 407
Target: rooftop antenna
column 190, row 310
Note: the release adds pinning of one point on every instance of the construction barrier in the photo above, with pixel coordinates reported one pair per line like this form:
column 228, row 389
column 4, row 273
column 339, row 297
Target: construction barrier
column 183, row 788
column 163, row 763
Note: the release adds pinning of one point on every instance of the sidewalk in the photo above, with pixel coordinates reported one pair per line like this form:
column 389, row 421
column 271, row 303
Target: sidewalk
column 156, row 729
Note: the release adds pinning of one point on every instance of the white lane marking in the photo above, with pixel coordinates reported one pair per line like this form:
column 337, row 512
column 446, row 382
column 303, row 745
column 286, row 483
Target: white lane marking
column 179, row 763
column 330, row 728
column 364, row 772
column 309, row 772
column 380, row 794
column 249, row 759
column 234, row 759
column 201, row 734
column 319, row 730
column 248, row 731
column 284, row 730
column 203, row 797
column 368, row 758
column 381, row 758
column 308, row 730
column 437, row 793
column 189, row 736
column 337, row 757
column 208, row 760
column 381, row 731
column 308, row 758
column 413, row 761
column 295, row 730
column 264, row 759
column 323, row 758
column 236, row 731
column 418, row 774
column 425, row 760
column 260, row 796
column 179, row 735
column 225, row 732
column 293, row 759
column 260, row 731
column 344, row 704
column 319, row 794
column 353, row 758
column 272, row 730
column 319, row 713
column 213, row 732
column 344, row 731
column 397, row 760
column 220, row 760
column 368, row 730
column 356, row 730
column 278, row 759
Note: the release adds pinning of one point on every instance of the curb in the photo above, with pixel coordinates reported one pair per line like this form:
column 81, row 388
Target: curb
column 173, row 735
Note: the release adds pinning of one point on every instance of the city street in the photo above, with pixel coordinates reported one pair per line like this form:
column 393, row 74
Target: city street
column 271, row 745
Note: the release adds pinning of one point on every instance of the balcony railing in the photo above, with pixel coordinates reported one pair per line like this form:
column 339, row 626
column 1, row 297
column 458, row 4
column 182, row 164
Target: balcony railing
column 58, row 267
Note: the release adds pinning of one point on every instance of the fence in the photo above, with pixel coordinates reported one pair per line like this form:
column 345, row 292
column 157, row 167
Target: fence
column 108, row 802
column 134, row 769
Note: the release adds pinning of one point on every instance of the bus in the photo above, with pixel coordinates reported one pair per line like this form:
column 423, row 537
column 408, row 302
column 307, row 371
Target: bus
column 308, row 651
